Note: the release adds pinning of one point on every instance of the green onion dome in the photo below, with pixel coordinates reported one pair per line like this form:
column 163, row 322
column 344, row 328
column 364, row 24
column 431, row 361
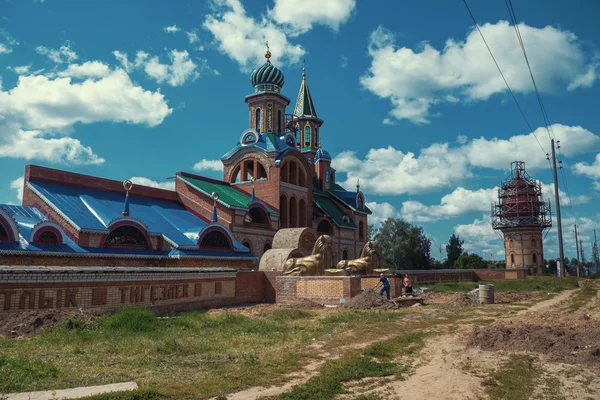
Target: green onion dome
column 267, row 77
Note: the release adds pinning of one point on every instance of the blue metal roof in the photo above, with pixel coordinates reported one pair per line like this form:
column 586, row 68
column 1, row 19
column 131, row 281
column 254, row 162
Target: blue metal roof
column 94, row 210
column 26, row 218
column 269, row 142
column 350, row 199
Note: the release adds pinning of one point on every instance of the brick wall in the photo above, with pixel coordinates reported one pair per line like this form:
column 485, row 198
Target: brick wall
column 202, row 205
column 490, row 274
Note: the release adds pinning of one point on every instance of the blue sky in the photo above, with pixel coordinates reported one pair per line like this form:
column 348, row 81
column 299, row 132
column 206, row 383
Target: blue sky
column 412, row 103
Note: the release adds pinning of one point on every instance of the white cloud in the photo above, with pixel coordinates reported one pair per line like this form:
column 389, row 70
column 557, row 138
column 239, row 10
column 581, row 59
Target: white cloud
column 416, row 80
column 208, row 165
column 381, row 212
column 243, row 38
column 22, row 69
column 5, row 49
column 140, row 180
column 301, row 15
column 192, row 37
column 548, row 194
column 35, row 145
column 480, row 238
column 592, row 170
column 39, row 102
column 171, row 29
column 93, row 69
column 179, row 71
column 460, row 202
column 343, row 61
column 63, row 55
column 17, row 185
column 391, row 171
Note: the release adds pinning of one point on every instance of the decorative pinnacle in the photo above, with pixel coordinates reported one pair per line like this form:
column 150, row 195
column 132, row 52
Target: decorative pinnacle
column 268, row 53
column 358, row 184
column 215, row 197
column 304, row 69
column 127, row 185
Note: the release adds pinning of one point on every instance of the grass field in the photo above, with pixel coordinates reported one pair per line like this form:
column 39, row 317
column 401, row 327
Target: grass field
column 539, row 284
column 200, row 355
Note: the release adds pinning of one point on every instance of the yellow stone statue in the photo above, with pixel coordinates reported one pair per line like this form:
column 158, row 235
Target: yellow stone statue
column 315, row 264
column 367, row 264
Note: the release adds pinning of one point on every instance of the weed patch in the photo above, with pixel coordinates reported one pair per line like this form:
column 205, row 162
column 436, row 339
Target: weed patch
column 514, row 380
column 18, row 373
column 531, row 284
column 139, row 394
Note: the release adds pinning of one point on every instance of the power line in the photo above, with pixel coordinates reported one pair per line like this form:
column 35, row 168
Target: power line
column 503, row 78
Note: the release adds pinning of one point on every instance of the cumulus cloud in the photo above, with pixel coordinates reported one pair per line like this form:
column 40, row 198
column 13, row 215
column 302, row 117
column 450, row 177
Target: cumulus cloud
column 548, row 194
column 180, row 70
column 208, row 165
column 592, row 170
column 460, row 202
column 381, row 212
column 243, row 38
column 89, row 69
column 32, row 145
column 63, row 55
column 415, row 80
column 171, row 29
column 480, row 238
column 6, row 42
column 17, row 185
column 391, row 171
column 4, row 49
column 343, row 61
column 302, row 15
column 140, row 180
column 21, row 69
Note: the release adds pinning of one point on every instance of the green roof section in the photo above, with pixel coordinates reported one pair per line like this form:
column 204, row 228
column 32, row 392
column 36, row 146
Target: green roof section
column 334, row 211
column 228, row 195
column 304, row 103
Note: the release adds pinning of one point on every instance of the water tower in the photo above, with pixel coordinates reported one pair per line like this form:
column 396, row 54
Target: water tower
column 523, row 217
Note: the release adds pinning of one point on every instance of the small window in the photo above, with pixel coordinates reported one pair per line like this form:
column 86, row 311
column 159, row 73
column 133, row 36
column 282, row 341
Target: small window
column 249, row 139
column 289, row 140
column 345, row 255
column 267, row 247
column 48, row 237
column 126, row 236
column 3, row 234
column 279, row 121
column 248, row 245
column 511, row 244
column 297, row 133
column 327, row 175
column 270, row 118
column 534, row 258
column 512, row 258
column 258, row 120
column 215, row 240
column 359, row 202
column 307, row 135
column 533, row 243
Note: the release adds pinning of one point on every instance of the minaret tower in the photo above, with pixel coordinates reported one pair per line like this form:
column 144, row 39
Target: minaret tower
column 522, row 216
column 305, row 122
column 267, row 105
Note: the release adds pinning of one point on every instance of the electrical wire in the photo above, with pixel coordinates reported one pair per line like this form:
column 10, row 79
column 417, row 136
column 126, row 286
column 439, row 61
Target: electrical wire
column 502, row 74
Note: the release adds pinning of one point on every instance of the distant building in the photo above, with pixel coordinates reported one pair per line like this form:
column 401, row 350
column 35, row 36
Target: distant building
column 276, row 176
column 522, row 216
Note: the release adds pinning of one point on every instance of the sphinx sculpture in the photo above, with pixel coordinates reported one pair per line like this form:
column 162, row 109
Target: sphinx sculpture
column 315, row 264
column 367, row 264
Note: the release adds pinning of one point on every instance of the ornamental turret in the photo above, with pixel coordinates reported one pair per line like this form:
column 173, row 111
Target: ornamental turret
column 266, row 105
column 304, row 121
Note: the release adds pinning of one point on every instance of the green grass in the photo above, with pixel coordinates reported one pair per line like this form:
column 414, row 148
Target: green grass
column 516, row 379
column 581, row 298
column 139, row 394
column 540, row 284
column 193, row 355
column 374, row 361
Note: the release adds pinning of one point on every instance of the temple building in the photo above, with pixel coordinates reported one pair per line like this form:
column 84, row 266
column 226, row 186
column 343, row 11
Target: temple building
column 277, row 176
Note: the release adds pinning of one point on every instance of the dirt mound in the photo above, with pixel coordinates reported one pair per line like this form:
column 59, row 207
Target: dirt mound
column 369, row 299
column 30, row 322
column 512, row 297
column 460, row 299
column 304, row 304
column 571, row 339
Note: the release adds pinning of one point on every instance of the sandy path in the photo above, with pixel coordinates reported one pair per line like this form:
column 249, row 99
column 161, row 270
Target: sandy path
column 546, row 304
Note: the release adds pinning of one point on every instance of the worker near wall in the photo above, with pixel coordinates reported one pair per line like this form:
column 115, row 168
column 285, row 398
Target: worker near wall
column 385, row 286
column 407, row 283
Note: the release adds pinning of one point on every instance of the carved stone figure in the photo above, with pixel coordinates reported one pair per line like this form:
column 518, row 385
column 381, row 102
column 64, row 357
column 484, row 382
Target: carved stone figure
column 315, row 264
column 367, row 264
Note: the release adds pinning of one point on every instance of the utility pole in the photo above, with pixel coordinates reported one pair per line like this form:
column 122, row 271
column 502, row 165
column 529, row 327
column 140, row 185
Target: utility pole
column 561, row 253
column 441, row 258
column 577, row 250
column 595, row 253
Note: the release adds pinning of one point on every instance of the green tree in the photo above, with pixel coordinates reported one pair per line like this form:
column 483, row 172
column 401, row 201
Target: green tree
column 574, row 261
column 469, row 261
column 371, row 232
column 551, row 269
column 453, row 249
column 403, row 246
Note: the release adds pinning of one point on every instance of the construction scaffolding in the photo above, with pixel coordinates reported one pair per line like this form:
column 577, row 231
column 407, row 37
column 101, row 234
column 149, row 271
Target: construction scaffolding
column 520, row 203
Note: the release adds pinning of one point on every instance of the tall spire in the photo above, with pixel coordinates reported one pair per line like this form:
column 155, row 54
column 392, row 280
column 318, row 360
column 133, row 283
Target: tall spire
column 304, row 103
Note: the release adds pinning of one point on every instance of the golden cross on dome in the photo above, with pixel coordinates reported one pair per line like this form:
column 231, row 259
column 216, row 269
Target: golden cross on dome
column 268, row 53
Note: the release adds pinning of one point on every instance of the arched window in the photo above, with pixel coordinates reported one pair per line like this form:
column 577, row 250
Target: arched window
column 215, row 240
column 324, row 227
column 359, row 202
column 267, row 247
column 258, row 120
column 3, row 234
column 126, row 236
column 283, row 211
column 248, row 245
column 512, row 259
column 327, row 175
column 297, row 134
column 235, row 175
column 258, row 216
column 279, row 121
column 307, row 135
column 361, row 231
column 48, row 237
column 533, row 243
column 293, row 213
column 534, row 259
column 511, row 244
column 345, row 255
column 261, row 172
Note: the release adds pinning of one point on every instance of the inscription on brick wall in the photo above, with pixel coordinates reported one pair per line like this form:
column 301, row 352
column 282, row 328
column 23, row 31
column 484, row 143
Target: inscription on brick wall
column 154, row 293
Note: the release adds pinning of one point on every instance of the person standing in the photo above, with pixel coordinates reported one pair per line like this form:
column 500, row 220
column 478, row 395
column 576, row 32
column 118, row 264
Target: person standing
column 385, row 286
column 407, row 283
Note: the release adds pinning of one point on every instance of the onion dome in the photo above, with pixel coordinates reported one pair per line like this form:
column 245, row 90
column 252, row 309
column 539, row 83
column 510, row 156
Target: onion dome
column 322, row 154
column 267, row 77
